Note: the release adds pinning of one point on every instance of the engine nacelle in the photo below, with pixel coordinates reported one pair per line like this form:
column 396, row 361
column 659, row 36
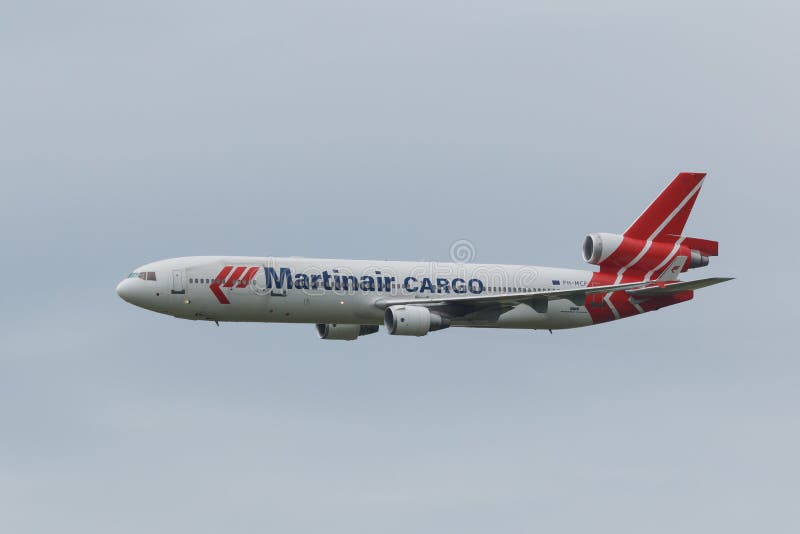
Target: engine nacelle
column 698, row 260
column 347, row 332
column 412, row 320
column 598, row 247
column 616, row 251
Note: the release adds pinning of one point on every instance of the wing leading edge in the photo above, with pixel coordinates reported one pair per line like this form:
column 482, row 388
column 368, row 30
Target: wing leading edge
column 511, row 298
column 539, row 300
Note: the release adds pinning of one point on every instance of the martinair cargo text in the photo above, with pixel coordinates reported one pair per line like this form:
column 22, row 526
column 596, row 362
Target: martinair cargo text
column 345, row 299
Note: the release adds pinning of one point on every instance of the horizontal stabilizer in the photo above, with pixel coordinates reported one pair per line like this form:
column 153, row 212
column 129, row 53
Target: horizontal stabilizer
column 671, row 289
column 706, row 246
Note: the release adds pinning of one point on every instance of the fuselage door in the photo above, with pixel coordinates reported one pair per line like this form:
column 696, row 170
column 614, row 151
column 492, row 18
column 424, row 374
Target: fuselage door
column 178, row 282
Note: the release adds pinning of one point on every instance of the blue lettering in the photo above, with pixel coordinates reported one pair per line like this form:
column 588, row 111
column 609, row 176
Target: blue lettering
column 459, row 285
column 442, row 285
column 349, row 281
column 367, row 283
column 475, row 286
column 285, row 278
column 387, row 283
column 315, row 278
column 301, row 281
column 427, row 285
column 326, row 278
column 407, row 284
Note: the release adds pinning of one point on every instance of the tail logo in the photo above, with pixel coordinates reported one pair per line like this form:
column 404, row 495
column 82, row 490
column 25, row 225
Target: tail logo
column 229, row 277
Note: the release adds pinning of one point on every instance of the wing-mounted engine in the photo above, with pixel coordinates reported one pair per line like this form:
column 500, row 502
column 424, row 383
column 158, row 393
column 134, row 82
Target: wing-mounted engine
column 346, row 332
column 412, row 320
column 615, row 252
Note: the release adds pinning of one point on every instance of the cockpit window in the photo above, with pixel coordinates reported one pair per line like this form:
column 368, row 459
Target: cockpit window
column 149, row 275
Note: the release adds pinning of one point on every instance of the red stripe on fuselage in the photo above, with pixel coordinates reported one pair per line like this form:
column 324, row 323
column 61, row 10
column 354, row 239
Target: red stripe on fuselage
column 649, row 244
column 220, row 278
column 600, row 311
column 251, row 272
column 234, row 277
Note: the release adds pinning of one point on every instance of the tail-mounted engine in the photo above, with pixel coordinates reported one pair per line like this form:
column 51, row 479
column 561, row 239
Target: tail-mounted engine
column 616, row 251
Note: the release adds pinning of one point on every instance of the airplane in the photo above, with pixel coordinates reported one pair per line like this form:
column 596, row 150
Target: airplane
column 346, row 299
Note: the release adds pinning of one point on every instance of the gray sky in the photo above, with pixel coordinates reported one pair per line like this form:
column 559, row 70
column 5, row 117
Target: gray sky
column 130, row 133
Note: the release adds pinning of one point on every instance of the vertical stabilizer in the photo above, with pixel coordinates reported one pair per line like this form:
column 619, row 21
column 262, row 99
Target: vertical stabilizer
column 668, row 213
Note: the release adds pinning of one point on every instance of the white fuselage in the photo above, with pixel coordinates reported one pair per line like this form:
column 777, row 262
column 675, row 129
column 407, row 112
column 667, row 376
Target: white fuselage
column 308, row 290
column 638, row 273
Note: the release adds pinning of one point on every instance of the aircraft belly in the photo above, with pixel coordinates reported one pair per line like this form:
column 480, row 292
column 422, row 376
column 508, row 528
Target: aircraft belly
column 559, row 315
column 300, row 307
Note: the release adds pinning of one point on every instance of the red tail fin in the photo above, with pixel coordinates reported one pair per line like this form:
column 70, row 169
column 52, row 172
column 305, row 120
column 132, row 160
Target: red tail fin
column 668, row 213
column 655, row 239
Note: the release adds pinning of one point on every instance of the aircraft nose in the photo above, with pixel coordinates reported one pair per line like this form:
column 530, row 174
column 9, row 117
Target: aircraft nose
column 125, row 291
column 142, row 289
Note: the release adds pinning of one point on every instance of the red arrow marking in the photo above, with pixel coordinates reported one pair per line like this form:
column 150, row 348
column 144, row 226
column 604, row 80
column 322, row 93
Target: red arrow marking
column 251, row 272
column 223, row 274
column 234, row 277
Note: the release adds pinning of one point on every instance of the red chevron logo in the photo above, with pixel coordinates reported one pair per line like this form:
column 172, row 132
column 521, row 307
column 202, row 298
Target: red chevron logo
column 229, row 277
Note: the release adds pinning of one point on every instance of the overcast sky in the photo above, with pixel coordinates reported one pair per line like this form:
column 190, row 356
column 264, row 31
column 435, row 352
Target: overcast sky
column 141, row 131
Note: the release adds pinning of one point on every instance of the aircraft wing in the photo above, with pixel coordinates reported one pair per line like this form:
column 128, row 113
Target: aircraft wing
column 669, row 289
column 532, row 298
column 462, row 305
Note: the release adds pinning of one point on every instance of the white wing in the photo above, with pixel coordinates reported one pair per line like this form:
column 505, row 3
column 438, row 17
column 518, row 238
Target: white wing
column 532, row 297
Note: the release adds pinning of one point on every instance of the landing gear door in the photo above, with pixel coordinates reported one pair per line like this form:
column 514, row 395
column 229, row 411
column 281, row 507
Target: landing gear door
column 178, row 282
